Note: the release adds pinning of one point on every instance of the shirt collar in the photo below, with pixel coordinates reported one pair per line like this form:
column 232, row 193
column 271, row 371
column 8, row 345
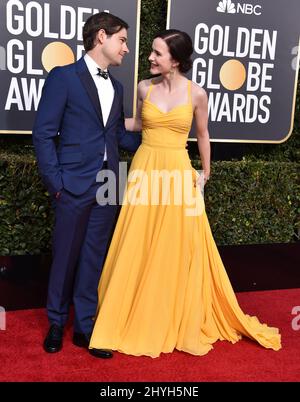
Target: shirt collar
column 91, row 65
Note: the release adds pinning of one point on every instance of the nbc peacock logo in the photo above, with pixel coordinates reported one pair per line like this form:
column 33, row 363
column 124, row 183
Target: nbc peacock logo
column 226, row 6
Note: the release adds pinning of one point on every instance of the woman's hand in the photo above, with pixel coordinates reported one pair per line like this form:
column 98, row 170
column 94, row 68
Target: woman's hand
column 202, row 178
column 206, row 177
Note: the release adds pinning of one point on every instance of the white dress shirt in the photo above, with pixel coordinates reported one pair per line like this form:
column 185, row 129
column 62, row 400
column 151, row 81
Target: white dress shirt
column 105, row 90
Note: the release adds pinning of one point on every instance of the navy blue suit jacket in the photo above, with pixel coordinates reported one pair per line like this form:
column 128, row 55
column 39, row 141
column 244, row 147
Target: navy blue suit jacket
column 70, row 109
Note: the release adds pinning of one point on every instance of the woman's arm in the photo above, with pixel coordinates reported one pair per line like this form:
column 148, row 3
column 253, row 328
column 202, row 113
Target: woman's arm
column 135, row 123
column 201, row 120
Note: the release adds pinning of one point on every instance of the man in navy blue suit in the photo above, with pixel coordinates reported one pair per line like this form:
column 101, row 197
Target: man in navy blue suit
column 81, row 107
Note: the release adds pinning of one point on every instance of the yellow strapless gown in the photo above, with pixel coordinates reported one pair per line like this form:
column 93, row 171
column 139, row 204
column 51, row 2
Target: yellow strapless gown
column 163, row 285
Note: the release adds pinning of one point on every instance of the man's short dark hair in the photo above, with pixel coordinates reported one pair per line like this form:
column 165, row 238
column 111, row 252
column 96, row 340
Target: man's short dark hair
column 106, row 21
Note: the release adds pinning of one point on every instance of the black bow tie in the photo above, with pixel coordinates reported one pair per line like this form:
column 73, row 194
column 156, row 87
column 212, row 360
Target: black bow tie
column 103, row 74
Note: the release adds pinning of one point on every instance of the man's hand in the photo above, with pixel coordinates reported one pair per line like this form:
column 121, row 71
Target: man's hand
column 57, row 195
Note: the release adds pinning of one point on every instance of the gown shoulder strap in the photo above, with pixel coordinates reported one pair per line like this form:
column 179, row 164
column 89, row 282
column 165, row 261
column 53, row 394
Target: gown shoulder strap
column 149, row 91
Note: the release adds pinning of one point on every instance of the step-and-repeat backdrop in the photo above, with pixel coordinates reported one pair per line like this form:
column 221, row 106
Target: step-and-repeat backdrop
column 246, row 58
column 36, row 36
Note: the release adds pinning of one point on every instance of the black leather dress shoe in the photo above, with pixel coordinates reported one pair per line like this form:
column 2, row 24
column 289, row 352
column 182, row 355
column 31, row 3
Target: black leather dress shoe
column 101, row 353
column 83, row 341
column 54, row 339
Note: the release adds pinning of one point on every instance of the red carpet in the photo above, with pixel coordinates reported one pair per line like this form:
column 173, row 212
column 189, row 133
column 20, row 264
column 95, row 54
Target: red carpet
column 23, row 359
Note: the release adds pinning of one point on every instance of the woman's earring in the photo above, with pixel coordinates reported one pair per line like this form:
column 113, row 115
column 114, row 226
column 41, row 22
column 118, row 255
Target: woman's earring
column 172, row 72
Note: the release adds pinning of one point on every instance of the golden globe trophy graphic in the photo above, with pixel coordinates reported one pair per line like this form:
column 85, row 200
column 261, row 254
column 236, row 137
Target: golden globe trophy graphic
column 57, row 54
column 232, row 75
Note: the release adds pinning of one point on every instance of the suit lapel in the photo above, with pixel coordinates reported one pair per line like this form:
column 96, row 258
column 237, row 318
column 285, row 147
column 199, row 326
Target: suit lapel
column 115, row 100
column 90, row 87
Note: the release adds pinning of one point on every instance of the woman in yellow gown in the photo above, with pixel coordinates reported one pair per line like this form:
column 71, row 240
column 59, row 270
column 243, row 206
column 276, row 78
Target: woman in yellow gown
column 163, row 285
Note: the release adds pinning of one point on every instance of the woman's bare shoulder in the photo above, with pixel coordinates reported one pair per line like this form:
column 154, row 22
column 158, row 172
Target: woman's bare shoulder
column 198, row 92
column 199, row 96
column 143, row 87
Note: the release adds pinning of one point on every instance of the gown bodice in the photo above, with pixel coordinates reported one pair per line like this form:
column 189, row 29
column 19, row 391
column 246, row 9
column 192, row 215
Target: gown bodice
column 166, row 129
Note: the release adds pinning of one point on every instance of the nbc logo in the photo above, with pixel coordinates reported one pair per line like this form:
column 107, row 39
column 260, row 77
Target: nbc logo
column 227, row 6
